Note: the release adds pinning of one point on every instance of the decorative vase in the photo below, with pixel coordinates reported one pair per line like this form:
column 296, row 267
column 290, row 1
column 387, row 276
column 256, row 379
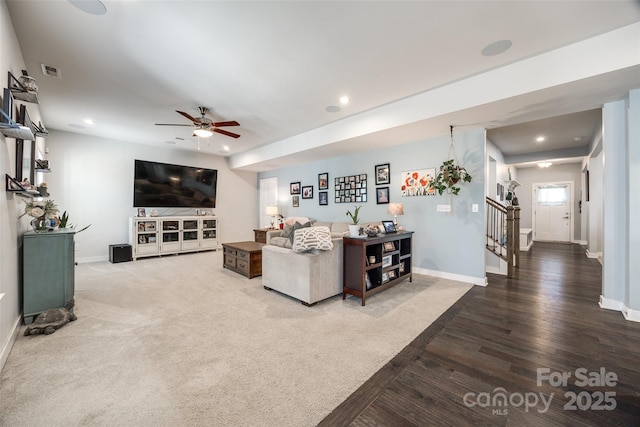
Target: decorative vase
column 354, row 229
column 39, row 224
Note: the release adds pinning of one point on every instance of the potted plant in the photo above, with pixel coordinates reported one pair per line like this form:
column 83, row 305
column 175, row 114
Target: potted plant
column 449, row 178
column 354, row 229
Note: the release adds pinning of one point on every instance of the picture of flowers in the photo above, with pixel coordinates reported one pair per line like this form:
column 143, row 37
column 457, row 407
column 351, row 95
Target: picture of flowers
column 416, row 183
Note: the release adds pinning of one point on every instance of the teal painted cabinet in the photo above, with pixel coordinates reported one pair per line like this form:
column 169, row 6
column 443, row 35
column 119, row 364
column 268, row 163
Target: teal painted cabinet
column 47, row 271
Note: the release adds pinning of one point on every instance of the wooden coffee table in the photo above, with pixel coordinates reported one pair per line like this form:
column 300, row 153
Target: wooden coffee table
column 243, row 257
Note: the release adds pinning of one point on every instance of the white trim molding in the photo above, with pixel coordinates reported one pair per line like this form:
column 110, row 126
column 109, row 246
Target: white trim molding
column 593, row 254
column 478, row 281
column 628, row 313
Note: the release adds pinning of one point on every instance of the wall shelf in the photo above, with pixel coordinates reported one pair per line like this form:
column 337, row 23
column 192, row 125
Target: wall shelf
column 21, row 93
column 13, row 186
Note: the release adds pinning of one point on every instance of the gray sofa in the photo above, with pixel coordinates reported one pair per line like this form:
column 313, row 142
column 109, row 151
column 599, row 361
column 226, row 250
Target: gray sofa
column 309, row 276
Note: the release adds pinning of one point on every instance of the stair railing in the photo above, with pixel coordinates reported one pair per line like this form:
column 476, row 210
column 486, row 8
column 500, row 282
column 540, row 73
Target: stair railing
column 503, row 233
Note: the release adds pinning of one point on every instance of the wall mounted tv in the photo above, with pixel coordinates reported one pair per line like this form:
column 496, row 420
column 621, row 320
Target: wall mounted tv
column 162, row 185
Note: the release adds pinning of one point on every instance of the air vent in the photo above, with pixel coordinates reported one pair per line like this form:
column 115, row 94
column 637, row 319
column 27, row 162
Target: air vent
column 51, row 71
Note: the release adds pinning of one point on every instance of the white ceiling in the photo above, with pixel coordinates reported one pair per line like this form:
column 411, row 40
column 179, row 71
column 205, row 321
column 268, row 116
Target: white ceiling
column 276, row 66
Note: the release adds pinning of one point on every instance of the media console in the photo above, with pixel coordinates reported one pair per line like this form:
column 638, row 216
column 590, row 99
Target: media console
column 163, row 235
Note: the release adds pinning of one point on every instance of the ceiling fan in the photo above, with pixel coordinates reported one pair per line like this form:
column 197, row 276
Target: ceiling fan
column 204, row 127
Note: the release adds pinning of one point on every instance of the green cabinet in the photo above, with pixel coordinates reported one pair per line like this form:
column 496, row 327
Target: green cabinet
column 47, row 271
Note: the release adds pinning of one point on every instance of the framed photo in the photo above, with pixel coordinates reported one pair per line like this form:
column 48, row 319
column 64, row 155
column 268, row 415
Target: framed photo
column 389, row 246
column 392, row 274
column 307, row 192
column 141, row 212
column 389, row 226
column 323, row 181
column 386, row 261
column 385, row 277
column 323, row 198
column 382, row 174
column 382, row 195
column 401, row 267
column 295, row 201
column 351, row 189
column 294, row 188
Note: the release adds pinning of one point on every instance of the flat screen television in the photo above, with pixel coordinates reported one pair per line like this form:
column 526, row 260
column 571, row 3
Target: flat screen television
column 162, row 185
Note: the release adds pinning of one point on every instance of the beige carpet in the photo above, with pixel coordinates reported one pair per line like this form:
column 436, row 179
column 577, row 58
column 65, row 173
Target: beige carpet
column 180, row 341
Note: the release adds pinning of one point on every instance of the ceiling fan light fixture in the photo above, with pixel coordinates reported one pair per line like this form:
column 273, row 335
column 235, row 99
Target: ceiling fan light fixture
column 203, row 133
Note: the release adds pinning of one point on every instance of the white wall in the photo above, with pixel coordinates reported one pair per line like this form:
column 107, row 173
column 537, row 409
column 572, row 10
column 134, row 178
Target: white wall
column 92, row 179
column 439, row 237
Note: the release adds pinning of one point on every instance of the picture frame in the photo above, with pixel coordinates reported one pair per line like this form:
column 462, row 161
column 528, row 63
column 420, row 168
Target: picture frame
column 323, row 198
column 294, row 188
column 383, row 174
column 323, row 181
column 351, row 189
column 401, row 268
column 307, row 192
column 386, row 261
column 392, row 274
column 389, row 246
column 385, row 277
column 295, row 201
column 142, row 212
column 382, row 195
column 389, row 226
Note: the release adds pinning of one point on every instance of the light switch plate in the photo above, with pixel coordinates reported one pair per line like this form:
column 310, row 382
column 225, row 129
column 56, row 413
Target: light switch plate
column 474, row 207
column 443, row 208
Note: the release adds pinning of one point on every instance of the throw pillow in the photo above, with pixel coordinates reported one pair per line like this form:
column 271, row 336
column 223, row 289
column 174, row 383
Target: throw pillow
column 287, row 230
column 313, row 238
column 297, row 226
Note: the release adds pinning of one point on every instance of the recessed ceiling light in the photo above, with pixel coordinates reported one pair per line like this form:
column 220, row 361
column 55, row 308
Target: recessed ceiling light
column 344, row 100
column 577, row 138
column 75, row 126
column 225, row 147
column 89, row 122
column 540, row 139
column 332, row 109
column 544, row 164
column 496, row 48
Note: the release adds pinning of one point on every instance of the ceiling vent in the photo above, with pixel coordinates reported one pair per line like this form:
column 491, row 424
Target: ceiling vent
column 51, row 71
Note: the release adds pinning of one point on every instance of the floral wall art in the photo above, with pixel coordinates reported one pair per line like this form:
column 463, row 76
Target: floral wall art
column 416, row 182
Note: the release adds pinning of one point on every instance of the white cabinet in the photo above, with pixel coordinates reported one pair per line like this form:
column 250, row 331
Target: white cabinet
column 172, row 234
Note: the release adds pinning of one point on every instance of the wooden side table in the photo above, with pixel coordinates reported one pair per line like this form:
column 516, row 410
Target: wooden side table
column 243, row 257
column 260, row 235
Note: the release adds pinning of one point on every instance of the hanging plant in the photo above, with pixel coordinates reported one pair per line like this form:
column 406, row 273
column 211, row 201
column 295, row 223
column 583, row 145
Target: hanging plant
column 450, row 175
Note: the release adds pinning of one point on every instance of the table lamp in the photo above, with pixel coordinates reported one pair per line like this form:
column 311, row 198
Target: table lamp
column 395, row 209
column 273, row 212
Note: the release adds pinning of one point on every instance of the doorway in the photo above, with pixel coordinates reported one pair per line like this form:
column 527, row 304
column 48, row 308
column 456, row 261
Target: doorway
column 553, row 212
column 268, row 197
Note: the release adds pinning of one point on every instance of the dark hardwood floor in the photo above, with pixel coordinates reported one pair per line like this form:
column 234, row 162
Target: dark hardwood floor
column 479, row 363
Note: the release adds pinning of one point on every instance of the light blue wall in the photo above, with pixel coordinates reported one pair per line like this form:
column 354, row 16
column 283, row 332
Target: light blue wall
column 443, row 242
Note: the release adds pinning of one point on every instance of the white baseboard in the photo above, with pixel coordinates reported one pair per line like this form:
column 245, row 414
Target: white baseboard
column 6, row 349
column 494, row 270
column 92, row 259
column 479, row 281
column 628, row 313
column 580, row 242
column 593, row 254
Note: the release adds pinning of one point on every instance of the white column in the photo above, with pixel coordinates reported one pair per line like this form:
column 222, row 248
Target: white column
column 615, row 205
column 633, row 243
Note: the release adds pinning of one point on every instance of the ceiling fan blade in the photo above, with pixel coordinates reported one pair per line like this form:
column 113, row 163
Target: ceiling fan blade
column 224, row 132
column 230, row 123
column 188, row 116
column 171, row 124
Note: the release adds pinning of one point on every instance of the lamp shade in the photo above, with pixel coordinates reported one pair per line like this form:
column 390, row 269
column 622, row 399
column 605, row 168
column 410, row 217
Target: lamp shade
column 272, row 210
column 395, row 209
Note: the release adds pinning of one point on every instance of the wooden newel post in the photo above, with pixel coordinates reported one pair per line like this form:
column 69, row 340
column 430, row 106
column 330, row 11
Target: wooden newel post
column 510, row 241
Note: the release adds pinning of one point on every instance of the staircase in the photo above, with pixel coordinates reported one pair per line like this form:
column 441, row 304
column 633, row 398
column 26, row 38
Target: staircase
column 503, row 233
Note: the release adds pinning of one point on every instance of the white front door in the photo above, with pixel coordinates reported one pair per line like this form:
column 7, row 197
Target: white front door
column 552, row 212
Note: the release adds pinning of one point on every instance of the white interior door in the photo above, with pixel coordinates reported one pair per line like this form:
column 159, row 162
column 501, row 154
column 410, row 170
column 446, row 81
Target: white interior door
column 553, row 215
